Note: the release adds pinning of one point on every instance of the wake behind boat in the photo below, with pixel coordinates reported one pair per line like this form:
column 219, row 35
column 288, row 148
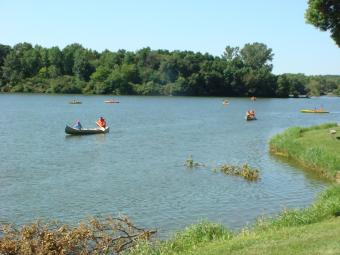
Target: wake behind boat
column 86, row 131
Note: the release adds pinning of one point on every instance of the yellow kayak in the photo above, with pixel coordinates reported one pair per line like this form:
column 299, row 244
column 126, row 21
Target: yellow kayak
column 314, row 111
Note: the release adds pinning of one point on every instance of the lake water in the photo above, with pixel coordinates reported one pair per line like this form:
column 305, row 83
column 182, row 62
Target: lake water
column 138, row 168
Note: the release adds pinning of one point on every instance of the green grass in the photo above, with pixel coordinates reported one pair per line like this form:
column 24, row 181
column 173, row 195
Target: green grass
column 318, row 238
column 184, row 241
column 314, row 230
column 314, row 147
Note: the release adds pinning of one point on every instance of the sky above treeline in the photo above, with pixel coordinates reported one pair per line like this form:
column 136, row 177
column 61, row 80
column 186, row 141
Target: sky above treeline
column 201, row 25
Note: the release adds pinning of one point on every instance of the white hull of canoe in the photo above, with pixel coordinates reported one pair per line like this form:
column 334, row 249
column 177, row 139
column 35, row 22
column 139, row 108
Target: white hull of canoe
column 85, row 131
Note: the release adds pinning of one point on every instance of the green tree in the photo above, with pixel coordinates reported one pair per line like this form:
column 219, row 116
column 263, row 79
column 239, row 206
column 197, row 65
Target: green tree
column 283, row 86
column 109, row 59
column 31, row 62
column 55, row 58
column 68, row 57
column 4, row 50
column 101, row 74
column 12, row 69
column 325, row 15
column 256, row 55
column 121, row 80
column 297, row 84
column 314, row 87
column 231, row 53
column 81, row 67
column 43, row 55
column 22, row 62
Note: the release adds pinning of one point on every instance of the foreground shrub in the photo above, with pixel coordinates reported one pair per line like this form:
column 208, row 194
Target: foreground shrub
column 108, row 236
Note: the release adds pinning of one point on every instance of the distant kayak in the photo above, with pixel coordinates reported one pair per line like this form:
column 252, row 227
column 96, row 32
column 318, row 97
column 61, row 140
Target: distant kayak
column 313, row 111
column 111, row 101
column 85, row 131
column 225, row 102
column 74, row 101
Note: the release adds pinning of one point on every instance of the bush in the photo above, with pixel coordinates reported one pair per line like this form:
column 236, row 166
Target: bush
column 108, row 236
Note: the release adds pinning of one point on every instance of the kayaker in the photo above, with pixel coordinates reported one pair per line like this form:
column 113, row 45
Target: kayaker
column 78, row 125
column 248, row 114
column 101, row 122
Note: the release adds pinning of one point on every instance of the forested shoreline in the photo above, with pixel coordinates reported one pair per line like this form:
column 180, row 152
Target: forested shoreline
column 245, row 71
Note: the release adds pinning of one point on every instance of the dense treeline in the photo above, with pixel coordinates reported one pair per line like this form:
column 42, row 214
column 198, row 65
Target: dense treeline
column 74, row 69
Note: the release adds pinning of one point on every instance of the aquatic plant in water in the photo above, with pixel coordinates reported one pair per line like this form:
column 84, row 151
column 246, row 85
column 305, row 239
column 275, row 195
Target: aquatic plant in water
column 245, row 171
column 189, row 163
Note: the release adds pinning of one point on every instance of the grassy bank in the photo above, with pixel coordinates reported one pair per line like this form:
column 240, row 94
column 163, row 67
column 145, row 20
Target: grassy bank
column 314, row 230
column 314, row 147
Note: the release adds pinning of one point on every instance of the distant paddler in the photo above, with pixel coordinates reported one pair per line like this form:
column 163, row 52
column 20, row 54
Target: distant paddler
column 225, row 102
column 74, row 101
column 253, row 98
column 250, row 115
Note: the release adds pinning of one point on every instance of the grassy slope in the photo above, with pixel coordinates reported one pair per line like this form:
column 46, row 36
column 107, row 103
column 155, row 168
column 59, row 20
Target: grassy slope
column 318, row 238
column 314, row 147
column 313, row 230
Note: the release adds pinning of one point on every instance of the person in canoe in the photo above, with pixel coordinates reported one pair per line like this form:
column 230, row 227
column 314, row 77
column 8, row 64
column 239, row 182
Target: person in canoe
column 101, row 123
column 78, row 125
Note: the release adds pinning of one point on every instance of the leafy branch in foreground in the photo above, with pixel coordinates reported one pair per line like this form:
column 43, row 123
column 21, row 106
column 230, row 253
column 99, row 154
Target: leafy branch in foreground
column 107, row 236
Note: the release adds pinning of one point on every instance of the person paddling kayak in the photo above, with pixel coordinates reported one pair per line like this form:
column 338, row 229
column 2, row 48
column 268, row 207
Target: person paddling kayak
column 101, row 122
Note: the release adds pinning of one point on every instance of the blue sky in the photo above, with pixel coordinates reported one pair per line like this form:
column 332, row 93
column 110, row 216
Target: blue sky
column 201, row 25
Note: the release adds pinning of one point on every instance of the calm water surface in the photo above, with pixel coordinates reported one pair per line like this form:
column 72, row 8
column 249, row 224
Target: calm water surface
column 137, row 169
